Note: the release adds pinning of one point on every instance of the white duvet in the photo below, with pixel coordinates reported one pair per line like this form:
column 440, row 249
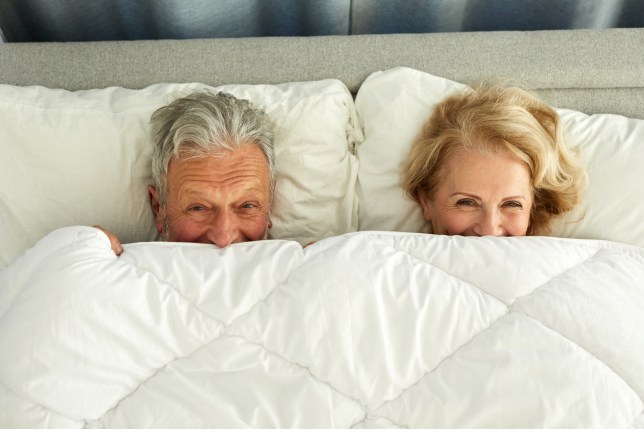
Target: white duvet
column 366, row 330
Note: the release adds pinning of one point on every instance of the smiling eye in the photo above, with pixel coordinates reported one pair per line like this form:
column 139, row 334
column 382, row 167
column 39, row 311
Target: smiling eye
column 512, row 206
column 248, row 206
column 196, row 208
column 466, row 202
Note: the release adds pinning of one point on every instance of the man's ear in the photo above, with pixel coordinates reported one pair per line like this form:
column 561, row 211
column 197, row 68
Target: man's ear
column 425, row 204
column 273, row 187
column 156, row 208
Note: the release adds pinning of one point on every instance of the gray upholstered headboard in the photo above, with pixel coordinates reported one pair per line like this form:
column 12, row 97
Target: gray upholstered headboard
column 588, row 70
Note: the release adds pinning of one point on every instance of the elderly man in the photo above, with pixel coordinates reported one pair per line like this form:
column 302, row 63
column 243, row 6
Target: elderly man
column 213, row 171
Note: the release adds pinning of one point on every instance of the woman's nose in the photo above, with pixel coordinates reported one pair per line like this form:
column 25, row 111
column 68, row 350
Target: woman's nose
column 489, row 223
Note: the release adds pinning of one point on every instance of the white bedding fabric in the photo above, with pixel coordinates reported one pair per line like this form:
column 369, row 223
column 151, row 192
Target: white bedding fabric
column 394, row 104
column 365, row 330
column 84, row 158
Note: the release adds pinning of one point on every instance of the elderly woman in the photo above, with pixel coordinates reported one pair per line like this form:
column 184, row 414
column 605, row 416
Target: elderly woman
column 491, row 160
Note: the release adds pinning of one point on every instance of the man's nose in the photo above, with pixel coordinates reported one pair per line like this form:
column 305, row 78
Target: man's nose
column 489, row 223
column 223, row 229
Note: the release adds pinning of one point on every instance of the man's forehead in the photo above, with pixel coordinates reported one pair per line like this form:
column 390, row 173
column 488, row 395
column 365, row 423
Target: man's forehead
column 191, row 152
column 247, row 156
column 245, row 167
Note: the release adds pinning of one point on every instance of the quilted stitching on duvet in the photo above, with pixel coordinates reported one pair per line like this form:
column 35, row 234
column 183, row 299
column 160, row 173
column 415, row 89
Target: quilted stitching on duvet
column 366, row 330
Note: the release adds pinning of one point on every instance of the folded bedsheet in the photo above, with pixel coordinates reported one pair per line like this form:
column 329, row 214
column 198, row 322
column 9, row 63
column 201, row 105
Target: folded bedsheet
column 365, row 330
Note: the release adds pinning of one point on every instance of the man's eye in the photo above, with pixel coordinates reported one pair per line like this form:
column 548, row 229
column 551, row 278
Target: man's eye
column 197, row 208
column 248, row 206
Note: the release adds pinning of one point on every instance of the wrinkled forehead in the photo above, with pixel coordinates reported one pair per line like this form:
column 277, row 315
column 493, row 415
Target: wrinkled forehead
column 246, row 163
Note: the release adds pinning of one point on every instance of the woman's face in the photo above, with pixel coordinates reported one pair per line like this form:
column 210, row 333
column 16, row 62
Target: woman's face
column 481, row 194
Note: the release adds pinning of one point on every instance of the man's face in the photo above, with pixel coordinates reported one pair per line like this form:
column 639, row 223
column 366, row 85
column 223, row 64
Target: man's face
column 220, row 199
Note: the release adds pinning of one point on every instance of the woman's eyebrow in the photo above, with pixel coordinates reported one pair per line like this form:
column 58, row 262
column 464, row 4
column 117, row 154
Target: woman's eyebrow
column 465, row 194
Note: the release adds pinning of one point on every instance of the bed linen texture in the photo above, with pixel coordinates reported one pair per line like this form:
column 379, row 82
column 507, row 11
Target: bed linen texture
column 364, row 330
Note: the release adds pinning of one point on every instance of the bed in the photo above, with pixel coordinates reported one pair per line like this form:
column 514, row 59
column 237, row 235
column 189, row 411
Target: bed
column 378, row 325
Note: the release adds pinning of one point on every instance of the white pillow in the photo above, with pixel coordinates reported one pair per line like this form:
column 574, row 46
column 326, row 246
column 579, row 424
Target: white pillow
column 392, row 106
column 612, row 150
column 83, row 158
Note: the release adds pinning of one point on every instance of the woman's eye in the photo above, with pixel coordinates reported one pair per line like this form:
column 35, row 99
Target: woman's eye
column 513, row 205
column 466, row 203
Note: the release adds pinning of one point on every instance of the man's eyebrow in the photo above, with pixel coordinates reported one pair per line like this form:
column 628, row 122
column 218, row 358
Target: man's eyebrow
column 253, row 189
column 191, row 193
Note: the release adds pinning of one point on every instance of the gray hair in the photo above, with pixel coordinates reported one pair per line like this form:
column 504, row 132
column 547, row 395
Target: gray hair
column 203, row 124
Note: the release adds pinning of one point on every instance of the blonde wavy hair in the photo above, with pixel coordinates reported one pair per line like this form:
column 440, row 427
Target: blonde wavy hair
column 499, row 119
